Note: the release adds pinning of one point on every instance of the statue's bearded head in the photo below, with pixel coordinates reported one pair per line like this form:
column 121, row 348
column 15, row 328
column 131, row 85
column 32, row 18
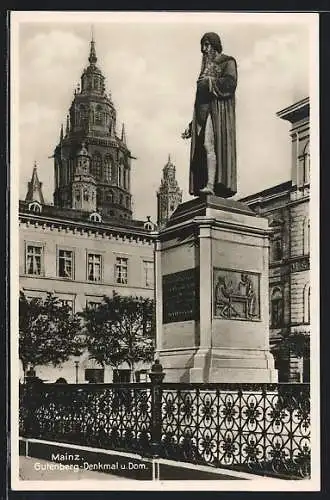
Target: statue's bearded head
column 210, row 47
column 211, row 43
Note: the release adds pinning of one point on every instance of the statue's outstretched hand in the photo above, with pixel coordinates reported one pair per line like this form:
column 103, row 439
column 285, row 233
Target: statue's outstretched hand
column 187, row 133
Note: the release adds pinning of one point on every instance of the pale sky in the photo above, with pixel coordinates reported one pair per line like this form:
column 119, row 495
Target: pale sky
column 151, row 70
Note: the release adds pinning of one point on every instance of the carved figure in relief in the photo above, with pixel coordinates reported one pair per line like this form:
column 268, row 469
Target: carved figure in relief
column 223, row 291
column 245, row 288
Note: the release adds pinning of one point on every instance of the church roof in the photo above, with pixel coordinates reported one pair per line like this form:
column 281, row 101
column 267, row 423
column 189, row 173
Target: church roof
column 82, row 217
column 34, row 192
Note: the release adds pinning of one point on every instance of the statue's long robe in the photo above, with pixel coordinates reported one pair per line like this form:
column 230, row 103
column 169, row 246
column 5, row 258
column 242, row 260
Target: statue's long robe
column 215, row 96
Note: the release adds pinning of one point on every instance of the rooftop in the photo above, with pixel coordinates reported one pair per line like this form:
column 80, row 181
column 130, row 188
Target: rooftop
column 83, row 217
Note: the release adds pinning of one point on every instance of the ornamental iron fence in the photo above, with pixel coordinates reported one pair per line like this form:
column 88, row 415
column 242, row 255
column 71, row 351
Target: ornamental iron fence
column 262, row 428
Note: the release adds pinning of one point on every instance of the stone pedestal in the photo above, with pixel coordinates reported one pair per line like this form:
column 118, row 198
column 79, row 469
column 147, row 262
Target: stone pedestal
column 212, row 294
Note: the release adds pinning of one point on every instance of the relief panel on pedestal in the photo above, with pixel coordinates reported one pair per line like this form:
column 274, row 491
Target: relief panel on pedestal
column 236, row 295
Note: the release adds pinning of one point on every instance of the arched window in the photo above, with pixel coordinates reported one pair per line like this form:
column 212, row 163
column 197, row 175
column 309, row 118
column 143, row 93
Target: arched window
column 307, row 303
column 95, row 217
column 35, row 207
column 107, row 168
column 306, row 236
column 305, row 165
column 149, row 226
column 86, row 195
column 114, row 173
column 276, row 308
column 97, row 165
column 110, row 196
column 98, row 115
column 127, row 201
column 121, row 199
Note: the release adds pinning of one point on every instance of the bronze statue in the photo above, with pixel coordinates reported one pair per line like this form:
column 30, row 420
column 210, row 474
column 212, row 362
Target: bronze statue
column 212, row 130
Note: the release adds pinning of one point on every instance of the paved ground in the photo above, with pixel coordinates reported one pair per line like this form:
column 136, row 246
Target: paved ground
column 36, row 469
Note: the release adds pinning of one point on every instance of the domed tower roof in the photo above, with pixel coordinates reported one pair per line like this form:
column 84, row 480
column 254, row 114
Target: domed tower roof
column 106, row 161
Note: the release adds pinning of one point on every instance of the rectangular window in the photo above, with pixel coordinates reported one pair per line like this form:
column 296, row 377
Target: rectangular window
column 65, row 264
column 69, row 303
column 306, row 370
column 141, row 376
column 94, row 267
column 92, row 305
column 94, row 375
column 276, row 248
column 121, row 376
column 34, row 255
column 121, row 270
column 148, row 273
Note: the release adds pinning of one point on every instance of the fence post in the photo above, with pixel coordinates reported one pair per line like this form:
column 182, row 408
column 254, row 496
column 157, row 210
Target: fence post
column 31, row 403
column 156, row 376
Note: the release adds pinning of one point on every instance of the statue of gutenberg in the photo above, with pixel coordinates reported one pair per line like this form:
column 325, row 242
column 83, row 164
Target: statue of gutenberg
column 213, row 130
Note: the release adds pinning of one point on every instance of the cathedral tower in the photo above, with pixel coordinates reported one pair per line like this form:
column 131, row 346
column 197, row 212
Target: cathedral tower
column 169, row 195
column 92, row 121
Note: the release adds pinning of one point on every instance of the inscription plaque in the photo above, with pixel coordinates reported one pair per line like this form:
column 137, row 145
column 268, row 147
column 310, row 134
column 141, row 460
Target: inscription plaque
column 236, row 295
column 181, row 296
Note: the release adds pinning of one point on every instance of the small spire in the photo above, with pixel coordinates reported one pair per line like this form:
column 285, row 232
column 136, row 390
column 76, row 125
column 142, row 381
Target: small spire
column 92, row 55
column 61, row 133
column 169, row 158
column 67, row 130
column 123, row 134
column 34, row 187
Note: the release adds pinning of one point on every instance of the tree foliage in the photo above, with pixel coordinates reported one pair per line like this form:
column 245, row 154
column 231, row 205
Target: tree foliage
column 120, row 329
column 48, row 331
column 294, row 344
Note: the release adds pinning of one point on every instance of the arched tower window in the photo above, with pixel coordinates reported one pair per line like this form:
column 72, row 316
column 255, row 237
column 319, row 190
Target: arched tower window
column 97, row 165
column 307, row 303
column 107, row 168
column 306, row 236
column 109, row 196
column 98, row 115
column 276, row 308
column 91, row 116
column 121, row 174
column 83, row 115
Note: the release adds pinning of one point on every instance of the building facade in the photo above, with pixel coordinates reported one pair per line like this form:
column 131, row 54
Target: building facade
column 286, row 205
column 87, row 244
